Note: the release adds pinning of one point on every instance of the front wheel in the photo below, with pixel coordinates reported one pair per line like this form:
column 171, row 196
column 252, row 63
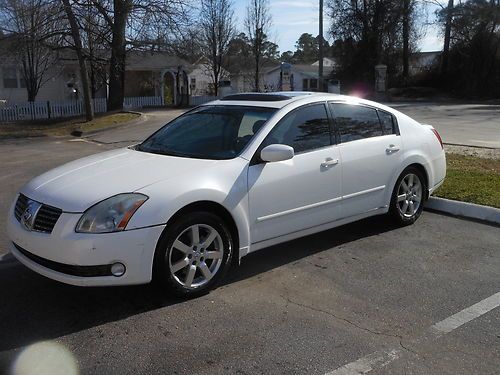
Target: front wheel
column 408, row 196
column 193, row 254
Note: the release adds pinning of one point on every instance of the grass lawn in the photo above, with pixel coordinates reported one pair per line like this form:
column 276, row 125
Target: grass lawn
column 472, row 179
column 65, row 127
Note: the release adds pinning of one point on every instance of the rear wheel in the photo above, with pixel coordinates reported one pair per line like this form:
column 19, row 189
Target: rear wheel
column 408, row 196
column 194, row 254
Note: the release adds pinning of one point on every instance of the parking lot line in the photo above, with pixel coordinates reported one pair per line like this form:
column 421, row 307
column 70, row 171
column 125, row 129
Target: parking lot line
column 466, row 315
column 368, row 363
column 381, row 358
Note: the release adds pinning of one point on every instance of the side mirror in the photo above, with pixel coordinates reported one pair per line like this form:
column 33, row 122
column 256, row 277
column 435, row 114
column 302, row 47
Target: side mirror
column 276, row 152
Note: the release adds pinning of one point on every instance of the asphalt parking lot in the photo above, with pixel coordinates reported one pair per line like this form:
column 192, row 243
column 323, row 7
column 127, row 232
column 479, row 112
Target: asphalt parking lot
column 366, row 296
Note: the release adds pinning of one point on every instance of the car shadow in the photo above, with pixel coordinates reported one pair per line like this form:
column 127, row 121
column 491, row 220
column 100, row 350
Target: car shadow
column 34, row 308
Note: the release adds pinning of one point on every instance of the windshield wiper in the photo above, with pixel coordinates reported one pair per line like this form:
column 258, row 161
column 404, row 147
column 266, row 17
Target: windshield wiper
column 162, row 152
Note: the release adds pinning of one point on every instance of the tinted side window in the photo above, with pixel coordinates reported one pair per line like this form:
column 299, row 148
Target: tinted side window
column 304, row 129
column 355, row 122
column 388, row 123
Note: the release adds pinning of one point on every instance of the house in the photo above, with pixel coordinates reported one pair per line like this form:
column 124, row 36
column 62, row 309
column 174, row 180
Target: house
column 58, row 81
column 281, row 77
column 201, row 83
column 147, row 74
column 328, row 62
column 157, row 74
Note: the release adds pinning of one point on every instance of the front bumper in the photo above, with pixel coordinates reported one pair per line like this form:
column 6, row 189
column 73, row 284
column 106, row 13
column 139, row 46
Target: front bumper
column 84, row 259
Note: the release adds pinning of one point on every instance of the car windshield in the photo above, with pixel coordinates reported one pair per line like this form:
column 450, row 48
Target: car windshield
column 208, row 132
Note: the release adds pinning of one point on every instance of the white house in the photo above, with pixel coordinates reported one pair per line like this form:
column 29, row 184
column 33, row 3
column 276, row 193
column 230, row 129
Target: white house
column 201, row 83
column 147, row 74
column 328, row 62
column 280, row 77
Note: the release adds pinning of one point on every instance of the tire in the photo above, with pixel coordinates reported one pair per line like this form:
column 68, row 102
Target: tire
column 184, row 265
column 408, row 196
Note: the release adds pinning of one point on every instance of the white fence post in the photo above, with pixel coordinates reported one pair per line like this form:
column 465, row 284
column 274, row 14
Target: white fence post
column 17, row 111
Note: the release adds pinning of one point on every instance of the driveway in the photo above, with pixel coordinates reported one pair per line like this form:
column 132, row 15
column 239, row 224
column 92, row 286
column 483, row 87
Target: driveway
column 461, row 124
column 364, row 297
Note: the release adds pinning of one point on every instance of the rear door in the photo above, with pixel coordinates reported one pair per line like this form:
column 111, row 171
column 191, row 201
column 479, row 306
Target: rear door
column 300, row 193
column 370, row 150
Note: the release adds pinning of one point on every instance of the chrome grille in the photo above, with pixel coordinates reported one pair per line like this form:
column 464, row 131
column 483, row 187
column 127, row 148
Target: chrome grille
column 21, row 204
column 45, row 219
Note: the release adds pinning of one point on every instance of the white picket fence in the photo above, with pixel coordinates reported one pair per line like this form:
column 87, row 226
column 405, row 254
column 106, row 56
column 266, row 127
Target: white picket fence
column 17, row 111
column 143, row 101
column 201, row 99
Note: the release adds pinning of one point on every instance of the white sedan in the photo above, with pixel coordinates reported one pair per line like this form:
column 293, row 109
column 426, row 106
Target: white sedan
column 219, row 182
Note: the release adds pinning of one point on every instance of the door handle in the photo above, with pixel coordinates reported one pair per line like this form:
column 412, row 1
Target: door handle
column 391, row 149
column 329, row 162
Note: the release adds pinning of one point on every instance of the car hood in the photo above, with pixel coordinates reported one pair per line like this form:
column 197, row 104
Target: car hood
column 77, row 185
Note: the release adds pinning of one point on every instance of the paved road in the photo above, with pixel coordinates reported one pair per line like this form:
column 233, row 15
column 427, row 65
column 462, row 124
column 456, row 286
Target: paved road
column 308, row 307
column 463, row 124
column 365, row 294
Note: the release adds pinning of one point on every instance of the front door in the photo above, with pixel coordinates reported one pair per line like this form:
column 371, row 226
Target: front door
column 300, row 193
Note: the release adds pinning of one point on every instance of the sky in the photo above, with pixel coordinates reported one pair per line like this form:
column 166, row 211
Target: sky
column 291, row 18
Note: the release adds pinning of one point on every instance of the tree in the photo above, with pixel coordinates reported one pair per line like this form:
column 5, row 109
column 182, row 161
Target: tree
column 287, row 56
column 33, row 27
column 447, row 37
column 187, row 46
column 474, row 62
column 370, row 33
column 75, row 32
column 406, row 37
column 270, row 50
column 136, row 23
column 257, row 24
column 217, row 30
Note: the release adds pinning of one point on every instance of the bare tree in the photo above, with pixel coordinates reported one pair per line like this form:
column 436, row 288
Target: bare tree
column 135, row 23
column 447, row 36
column 75, row 32
column 257, row 23
column 34, row 27
column 217, row 30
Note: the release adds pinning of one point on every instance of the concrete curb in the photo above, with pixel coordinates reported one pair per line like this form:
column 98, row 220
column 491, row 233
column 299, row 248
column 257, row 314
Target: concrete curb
column 463, row 209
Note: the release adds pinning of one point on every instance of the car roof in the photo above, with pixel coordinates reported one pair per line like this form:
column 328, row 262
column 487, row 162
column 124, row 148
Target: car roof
column 281, row 99
column 267, row 99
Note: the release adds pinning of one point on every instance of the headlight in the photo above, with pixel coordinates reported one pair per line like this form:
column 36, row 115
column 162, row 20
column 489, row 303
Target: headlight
column 110, row 215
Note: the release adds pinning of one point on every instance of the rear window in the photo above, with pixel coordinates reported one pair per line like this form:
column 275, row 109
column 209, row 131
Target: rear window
column 355, row 122
column 388, row 122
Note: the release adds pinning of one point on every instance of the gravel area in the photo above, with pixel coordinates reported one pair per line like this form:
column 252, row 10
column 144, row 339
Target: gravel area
column 480, row 152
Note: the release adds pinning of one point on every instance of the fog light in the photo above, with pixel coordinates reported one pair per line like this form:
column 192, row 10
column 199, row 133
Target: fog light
column 118, row 269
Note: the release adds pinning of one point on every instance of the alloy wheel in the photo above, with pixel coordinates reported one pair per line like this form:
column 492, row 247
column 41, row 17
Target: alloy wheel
column 196, row 255
column 409, row 195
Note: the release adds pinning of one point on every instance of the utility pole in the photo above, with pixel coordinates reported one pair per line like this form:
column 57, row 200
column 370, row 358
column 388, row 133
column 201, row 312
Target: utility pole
column 320, row 71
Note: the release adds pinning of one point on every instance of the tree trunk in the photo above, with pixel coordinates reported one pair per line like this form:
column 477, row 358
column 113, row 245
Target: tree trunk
column 447, row 37
column 320, row 68
column 257, row 81
column 406, row 39
column 75, row 32
column 117, row 61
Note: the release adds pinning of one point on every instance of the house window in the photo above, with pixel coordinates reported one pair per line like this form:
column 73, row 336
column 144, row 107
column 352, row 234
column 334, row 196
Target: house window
column 193, row 83
column 305, row 85
column 313, row 84
column 9, row 77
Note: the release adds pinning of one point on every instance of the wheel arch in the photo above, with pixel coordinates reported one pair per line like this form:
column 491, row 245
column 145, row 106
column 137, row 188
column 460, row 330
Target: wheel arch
column 421, row 168
column 212, row 207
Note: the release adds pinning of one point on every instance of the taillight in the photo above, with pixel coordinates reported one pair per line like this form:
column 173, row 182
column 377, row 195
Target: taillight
column 438, row 137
